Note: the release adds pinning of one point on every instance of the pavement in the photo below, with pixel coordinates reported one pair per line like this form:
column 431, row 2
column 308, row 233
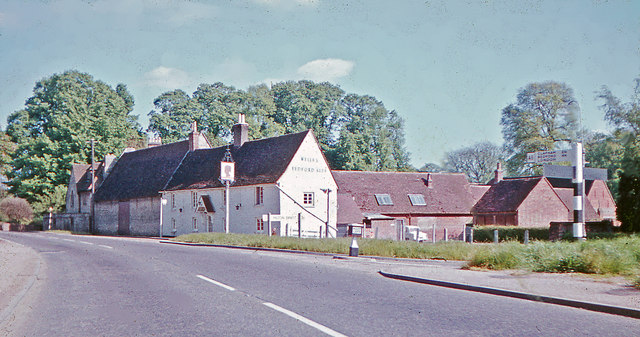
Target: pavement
column 20, row 265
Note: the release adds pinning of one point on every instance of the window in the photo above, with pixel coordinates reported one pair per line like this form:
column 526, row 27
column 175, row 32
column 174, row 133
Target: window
column 260, row 224
column 384, row 199
column 307, row 199
column 173, row 225
column 194, row 199
column 72, row 198
column 195, row 224
column 210, row 223
column 259, row 195
column 417, row 200
column 173, row 201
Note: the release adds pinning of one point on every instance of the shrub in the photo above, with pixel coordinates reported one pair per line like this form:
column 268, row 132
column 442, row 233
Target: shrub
column 509, row 233
column 17, row 210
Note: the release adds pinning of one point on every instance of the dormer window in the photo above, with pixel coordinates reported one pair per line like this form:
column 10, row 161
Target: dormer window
column 384, row 199
column 417, row 200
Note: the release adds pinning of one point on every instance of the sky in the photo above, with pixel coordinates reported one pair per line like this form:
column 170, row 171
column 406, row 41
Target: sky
column 447, row 67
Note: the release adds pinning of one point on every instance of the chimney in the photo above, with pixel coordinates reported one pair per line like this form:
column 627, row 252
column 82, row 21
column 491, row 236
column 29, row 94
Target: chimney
column 499, row 175
column 154, row 141
column 193, row 136
column 109, row 161
column 240, row 131
column 429, row 181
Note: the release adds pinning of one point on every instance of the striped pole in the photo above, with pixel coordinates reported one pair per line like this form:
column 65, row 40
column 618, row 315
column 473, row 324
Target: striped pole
column 578, row 192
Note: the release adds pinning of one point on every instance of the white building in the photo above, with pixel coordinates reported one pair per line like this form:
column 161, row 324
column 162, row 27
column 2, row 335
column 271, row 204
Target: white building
column 286, row 176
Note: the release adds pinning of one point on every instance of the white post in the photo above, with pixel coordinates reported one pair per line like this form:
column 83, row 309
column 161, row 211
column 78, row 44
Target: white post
column 269, row 223
column 162, row 202
column 226, row 204
column 433, row 233
column 578, row 192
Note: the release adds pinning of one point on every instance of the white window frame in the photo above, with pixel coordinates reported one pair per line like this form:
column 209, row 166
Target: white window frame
column 174, row 228
column 383, row 199
column 417, row 199
column 194, row 199
column 259, row 224
column 173, row 201
column 308, row 199
column 194, row 221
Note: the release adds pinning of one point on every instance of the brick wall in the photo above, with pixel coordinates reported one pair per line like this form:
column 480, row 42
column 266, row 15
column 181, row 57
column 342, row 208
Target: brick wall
column 542, row 207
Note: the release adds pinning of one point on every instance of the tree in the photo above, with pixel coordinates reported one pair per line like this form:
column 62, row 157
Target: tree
column 626, row 118
column 52, row 131
column 543, row 116
column 215, row 107
column 17, row 210
column 431, row 167
column 603, row 150
column 371, row 138
column 477, row 161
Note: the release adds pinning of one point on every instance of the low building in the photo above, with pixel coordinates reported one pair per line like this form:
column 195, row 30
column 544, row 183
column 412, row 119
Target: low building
column 389, row 201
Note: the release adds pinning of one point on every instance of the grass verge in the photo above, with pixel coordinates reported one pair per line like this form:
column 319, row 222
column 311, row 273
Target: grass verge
column 616, row 256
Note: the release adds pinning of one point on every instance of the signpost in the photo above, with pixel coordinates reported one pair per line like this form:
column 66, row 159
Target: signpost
column 227, row 177
column 576, row 157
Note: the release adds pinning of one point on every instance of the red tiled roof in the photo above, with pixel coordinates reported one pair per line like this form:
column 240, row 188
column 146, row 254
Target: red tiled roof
column 449, row 192
column 348, row 211
column 506, row 195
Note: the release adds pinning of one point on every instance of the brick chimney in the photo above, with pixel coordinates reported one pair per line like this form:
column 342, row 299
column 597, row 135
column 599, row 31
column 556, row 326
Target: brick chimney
column 154, row 141
column 499, row 175
column 240, row 132
column 193, row 136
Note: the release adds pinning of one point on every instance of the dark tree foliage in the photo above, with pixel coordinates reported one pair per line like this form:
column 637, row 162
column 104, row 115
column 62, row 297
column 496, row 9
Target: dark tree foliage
column 53, row 130
column 355, row 132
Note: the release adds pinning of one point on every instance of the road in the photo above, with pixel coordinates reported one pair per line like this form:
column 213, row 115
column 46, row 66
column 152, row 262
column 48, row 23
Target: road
column 104, row 286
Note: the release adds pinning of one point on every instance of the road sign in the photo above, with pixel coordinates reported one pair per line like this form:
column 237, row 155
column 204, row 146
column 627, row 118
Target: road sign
column 549, row 156
column 589, row 173
column 278, row 217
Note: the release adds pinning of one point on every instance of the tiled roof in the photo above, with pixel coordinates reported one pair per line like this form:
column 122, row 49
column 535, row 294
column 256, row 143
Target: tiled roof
column 449, row 192
column 568, row 183
column 506, row 195
column 82, row 176
column 142, row 173
column 256, row 162
column 566, row 195
column 348, row 211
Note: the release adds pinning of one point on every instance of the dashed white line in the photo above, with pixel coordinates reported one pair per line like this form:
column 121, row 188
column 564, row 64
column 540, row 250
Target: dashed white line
column 105, row 246
column 87, row 243
column 216, row 283
column 304, row 320
column 69, row 240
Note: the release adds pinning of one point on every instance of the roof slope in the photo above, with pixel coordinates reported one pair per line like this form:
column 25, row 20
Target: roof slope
column 506, row 195
column 256, row 162
column 142, row 173
column 568, row 183
column 449, row 192
column 566, row 195
column 348, row 210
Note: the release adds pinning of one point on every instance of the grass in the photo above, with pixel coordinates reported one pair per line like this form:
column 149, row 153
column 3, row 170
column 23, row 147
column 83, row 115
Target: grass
column 619, row 255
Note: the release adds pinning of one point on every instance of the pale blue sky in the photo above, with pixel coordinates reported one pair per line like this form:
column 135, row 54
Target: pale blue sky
column 447, row 67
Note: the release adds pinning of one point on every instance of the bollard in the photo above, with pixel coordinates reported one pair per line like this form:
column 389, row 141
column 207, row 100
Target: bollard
column 446, row 235
column 353, row 249
column 495, row 236
column 526, row 236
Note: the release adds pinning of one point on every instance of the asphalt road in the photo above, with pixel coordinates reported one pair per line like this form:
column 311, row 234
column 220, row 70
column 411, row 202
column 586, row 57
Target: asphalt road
column 102, row 286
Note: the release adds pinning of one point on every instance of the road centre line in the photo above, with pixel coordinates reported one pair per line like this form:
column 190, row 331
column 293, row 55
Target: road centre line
column 104, row 246
column 216, row 283
column 304, row 320
column 87, row 243
column 69, row 240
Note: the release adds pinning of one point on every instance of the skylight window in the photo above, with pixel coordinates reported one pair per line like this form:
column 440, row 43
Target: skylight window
column 384, row 200
column 417, row 200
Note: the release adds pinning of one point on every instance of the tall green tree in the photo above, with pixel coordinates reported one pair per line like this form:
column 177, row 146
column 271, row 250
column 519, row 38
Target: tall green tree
column 625, row 117
column 215, row 107
column 371, row 137
column 477, row 161
column 543, row 117
column 604, row 150
column 53, row 130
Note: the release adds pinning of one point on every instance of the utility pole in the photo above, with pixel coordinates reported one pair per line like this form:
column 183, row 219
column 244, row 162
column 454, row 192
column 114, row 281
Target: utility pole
column 578, row 192
column 227, row 177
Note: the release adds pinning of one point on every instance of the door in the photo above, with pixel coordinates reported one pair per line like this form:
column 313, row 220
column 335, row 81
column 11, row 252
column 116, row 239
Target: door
column 123, row 218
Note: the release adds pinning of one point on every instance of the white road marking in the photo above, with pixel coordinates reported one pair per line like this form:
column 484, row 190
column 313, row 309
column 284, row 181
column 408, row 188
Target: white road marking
column 103, row 246
column 87, row 243
column 304, row 320
column 69, row 240
column 216, row 283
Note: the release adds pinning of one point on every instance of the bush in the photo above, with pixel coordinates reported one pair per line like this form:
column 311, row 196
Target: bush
column 509, row 233
column 17, row 210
